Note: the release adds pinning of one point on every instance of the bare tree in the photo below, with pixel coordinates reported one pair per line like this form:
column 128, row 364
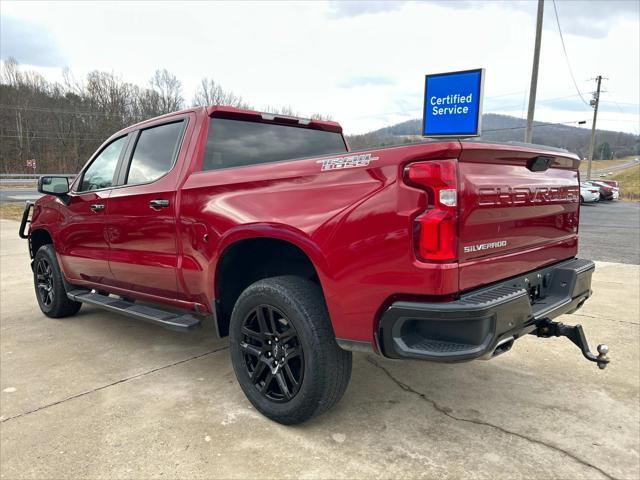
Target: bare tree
column 169, row 90
column 209, row 92
column 287, row 111
column 321, row 116
column 11, row 73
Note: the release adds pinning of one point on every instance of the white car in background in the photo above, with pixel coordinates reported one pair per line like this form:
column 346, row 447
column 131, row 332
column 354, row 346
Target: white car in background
column 589, row 193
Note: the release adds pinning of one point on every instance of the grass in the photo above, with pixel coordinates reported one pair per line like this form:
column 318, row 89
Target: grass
column 11, row 211
column 603, row 164
column 629, row 183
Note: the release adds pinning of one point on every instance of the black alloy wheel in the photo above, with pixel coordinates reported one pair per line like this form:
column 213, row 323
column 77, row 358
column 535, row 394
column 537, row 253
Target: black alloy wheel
column 49, row 285
column 44, row 279
column 272, row 353
column 284, row 351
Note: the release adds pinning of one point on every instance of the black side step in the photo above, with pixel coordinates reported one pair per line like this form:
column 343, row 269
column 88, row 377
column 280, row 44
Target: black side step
column 170, row 320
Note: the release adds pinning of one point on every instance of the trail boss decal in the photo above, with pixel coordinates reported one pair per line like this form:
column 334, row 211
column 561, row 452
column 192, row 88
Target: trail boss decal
column 351, row 161
column 484, row 246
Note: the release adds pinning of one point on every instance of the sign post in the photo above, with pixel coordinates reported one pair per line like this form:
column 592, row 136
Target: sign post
column 453, row 104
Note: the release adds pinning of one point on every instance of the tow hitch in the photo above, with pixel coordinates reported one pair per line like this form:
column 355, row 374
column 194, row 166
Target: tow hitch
column 546, row 328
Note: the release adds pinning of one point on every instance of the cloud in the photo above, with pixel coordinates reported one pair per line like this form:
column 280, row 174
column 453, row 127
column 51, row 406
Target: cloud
column 586, row 18
column 366, row 81
column 591, row 19
column 354, row 8
column 28, row 43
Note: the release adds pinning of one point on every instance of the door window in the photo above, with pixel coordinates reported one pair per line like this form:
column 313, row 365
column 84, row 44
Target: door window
column 100, row 172
column 154, row 153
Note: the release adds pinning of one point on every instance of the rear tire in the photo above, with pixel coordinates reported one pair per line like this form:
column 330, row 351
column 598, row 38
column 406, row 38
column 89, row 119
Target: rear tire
column 581, row 199
column 284, row 351
column 50, row 290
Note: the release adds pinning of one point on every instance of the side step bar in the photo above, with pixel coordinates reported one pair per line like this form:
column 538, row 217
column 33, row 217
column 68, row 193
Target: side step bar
column 170, row 320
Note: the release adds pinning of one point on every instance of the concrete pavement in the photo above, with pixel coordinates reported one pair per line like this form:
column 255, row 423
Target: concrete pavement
column 102, row 396
column 15, row 194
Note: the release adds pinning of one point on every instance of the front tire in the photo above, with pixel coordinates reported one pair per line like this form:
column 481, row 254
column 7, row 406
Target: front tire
column 284, row 352
column 50, row 290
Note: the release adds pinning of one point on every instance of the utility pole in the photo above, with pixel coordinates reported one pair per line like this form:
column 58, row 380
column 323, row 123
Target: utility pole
column 528, row 134
column 595, row 101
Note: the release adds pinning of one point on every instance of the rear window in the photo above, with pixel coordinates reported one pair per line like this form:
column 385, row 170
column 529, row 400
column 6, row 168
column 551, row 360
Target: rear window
column 236, row 143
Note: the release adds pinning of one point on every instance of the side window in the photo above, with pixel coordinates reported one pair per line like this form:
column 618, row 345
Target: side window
column 100, row 172
column 154, row 153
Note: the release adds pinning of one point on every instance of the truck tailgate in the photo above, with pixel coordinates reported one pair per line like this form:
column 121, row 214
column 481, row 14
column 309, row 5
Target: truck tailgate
column 515, row 214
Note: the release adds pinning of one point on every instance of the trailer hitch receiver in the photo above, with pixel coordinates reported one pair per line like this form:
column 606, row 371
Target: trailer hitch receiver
column 546, row 328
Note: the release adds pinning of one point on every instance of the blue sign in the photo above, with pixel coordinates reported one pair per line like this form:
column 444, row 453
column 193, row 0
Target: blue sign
column 453, row 104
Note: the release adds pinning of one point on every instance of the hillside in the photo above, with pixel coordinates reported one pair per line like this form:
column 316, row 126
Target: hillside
column 504, row 128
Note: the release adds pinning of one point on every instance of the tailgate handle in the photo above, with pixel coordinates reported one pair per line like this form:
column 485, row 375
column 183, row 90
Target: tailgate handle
column 540, row 164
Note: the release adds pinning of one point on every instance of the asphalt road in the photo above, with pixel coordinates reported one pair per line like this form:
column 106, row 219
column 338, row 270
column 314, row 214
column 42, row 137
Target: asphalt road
column 101, row 396
column 13, row 194
column 616, row 168
column 610, row 231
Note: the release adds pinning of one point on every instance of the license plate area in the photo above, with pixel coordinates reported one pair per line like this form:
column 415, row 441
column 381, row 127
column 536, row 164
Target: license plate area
column 536, row 284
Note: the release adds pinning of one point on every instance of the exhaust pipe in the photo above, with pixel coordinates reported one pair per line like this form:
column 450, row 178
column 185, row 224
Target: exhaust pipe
column 504, row 346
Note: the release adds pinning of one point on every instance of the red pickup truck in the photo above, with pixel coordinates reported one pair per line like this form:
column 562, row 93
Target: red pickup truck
column 302, row 251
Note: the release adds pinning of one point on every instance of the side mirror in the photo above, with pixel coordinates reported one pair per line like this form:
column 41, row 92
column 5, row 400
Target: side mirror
column 58, row 186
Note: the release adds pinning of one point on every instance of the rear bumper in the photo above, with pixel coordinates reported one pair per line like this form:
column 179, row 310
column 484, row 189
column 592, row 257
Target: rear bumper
column 485, row 322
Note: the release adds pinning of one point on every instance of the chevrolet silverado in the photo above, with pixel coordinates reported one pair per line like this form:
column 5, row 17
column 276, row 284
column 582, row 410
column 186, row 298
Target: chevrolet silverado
column 302, row 251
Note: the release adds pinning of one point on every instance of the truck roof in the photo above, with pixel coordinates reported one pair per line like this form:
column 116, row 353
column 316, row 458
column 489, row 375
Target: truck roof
column 232, row 112
column 239, row 113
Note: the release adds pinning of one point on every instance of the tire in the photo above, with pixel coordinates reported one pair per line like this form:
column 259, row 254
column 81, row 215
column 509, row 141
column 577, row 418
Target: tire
column 50, row 291
column 581, row 199
column 306, row 357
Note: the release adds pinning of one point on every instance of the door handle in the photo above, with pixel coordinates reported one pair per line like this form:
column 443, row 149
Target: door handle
column 96, row 207
column 158, row 204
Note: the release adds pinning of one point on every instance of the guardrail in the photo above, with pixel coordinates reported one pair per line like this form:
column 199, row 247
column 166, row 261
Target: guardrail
column 28, row 178
column 35, row 175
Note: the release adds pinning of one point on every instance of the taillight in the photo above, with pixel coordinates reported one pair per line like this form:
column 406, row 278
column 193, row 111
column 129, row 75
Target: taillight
column 436, row 236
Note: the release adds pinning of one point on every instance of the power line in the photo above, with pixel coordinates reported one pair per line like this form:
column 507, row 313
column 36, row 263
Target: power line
column 37, row 131
column 535, row 125
column 506, row 94
column 546, row 100
column 72, row 112
column 623, row 103
column 566, row 56
column 619, row 120
column 27, row 137
column 617, row 104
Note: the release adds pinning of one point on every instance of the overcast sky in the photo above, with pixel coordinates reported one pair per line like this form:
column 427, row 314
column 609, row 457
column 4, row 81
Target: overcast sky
column 363, row 63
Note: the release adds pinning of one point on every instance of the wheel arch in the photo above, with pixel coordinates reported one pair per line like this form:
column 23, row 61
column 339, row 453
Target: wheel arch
column 256, row 253
column 37, row 238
